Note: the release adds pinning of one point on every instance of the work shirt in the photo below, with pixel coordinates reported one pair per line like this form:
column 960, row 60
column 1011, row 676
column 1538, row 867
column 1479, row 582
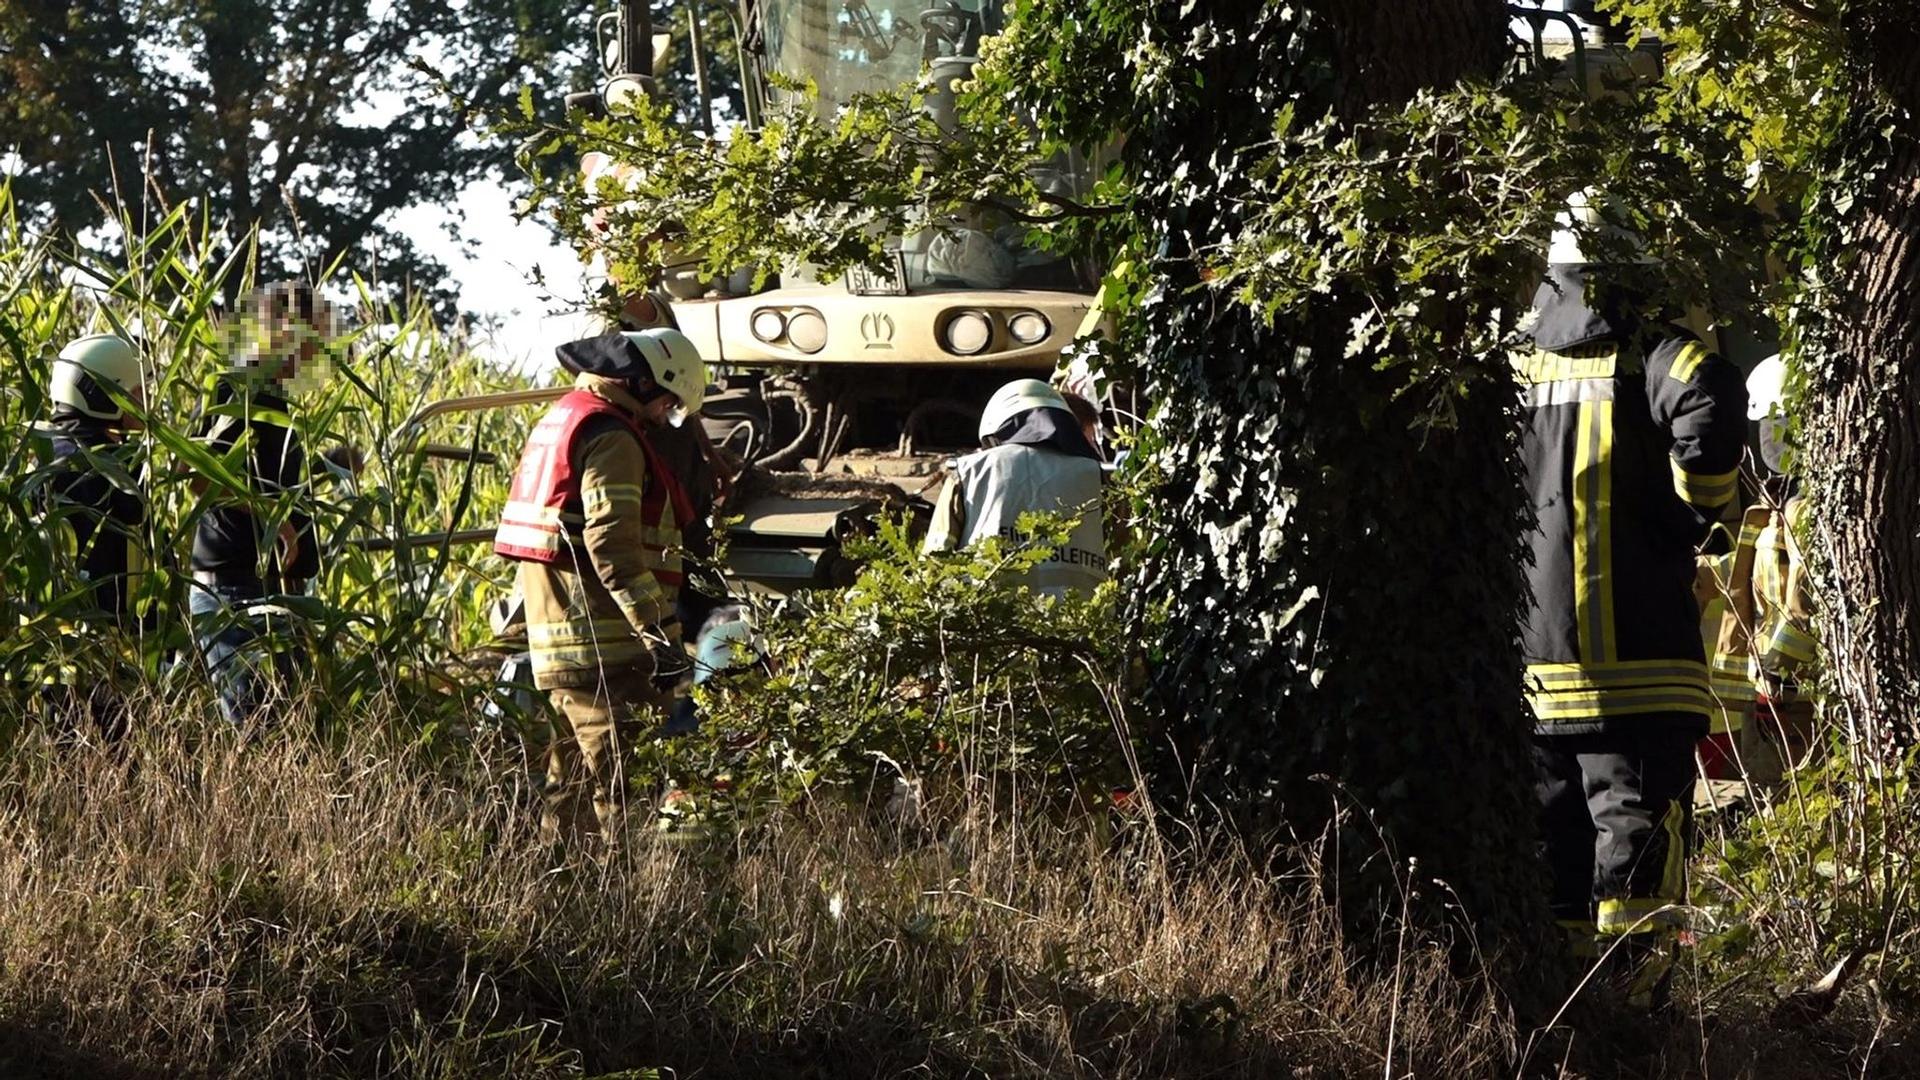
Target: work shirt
column 988, row 492
column 228, row 538
column 1630, row 451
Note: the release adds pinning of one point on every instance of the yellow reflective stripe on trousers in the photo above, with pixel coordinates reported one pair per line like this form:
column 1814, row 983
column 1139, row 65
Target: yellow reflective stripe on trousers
column 1705, row 489
column 1580, row 937
column 647, row 598
column 1664, row 911
column 609, row 653
column 1593, row 531
column 1687, row 364
column 1639, row 916
column 576, row 631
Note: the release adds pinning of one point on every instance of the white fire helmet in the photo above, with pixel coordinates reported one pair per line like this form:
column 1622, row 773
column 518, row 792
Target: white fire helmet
column 676, row 364
column 1014, row 398
column 1766, row 388
column 1583, row 209
column 88, row 362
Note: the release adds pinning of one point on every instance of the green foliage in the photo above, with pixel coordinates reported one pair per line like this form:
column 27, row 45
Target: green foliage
column 1823, row 871
column 376, row 623
column 942, row 671
column 1440, row 210
column 303, row 120
column 797, row 189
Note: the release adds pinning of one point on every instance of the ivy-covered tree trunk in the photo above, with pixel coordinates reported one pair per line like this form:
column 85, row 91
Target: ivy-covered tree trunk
column 1861, row 431
column 1341, row 545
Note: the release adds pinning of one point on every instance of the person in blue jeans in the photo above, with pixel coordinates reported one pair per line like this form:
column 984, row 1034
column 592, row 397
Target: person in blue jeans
column 240, row 561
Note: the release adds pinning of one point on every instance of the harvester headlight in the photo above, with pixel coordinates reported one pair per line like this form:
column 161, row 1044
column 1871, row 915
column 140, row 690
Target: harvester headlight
column 807, row 330
column 625, row 93
column 1029, row 328
column 968, row 333
column 769, row 325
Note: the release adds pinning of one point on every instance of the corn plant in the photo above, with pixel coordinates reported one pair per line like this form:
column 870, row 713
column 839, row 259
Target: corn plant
column 380, row 619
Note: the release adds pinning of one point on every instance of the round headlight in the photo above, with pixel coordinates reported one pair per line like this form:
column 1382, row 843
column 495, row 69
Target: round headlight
column 807, row 330
column 968, row 333
column 769, row 325
column 1029, row 328
column 625, row 93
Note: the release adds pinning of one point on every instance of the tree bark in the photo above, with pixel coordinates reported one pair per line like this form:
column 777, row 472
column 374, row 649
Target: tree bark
column 1861, row 430
column 1343, row 660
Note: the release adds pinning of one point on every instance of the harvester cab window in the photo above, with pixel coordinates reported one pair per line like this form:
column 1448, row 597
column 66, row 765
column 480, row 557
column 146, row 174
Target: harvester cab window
column 854, row 46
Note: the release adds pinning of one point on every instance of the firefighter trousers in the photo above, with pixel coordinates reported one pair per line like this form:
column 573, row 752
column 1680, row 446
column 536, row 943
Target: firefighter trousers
column 1616, row 813
column 586, row 780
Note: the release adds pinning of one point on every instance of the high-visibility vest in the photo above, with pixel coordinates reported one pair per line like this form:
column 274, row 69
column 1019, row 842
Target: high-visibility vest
column 544, row 521
column 1000, row 484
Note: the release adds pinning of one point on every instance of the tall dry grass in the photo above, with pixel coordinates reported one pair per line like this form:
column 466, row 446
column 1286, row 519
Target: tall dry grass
column 197, row 903
column 204, row 904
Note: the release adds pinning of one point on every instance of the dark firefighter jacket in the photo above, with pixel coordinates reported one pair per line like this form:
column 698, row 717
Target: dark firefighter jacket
column 102, row 521
column 1631, row 449
column 228, row 539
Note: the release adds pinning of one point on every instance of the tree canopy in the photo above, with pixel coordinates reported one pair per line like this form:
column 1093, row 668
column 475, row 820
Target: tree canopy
column 312, row 121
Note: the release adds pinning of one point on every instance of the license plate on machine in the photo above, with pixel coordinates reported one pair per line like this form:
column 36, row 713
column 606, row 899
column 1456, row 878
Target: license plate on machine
column 862, row 281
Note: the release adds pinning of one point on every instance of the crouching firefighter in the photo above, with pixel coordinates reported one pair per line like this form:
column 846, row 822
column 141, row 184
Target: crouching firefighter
column 1631, row 449
column 593, row 519
column 101, row 522
column 1036, row 459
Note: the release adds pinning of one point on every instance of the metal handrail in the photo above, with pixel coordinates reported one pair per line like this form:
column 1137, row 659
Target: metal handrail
column 1537, row 18
column 409, row 428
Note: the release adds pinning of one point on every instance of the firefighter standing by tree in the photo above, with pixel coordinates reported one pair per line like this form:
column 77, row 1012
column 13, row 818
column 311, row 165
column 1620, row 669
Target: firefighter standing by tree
column 593, row 518
column 101, row 515
column 1036, row 459
column 1631, row 448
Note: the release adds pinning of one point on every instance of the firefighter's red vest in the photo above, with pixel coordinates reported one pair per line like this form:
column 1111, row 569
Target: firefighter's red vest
column 543, row 519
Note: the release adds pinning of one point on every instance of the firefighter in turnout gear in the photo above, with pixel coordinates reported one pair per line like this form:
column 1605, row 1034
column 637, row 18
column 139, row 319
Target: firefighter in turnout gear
column 1631, row 449
column 1760, row 637
column 101, row 522
column 1036, row 459
column 593, row 519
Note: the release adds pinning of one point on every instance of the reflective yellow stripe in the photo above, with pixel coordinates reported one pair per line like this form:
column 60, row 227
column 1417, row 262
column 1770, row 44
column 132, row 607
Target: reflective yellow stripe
column 1688, row 362
column 531, row 537
column 531, row 513
column 603, row 497
column 593, row 656
column 1673, row 875
column 1542, row 366
column 1619, row 673
column 1596, row 704
column 1592, row 531
column 1639, row 916
column 575, row 632
column 1787, row 641
column 1705, row 489
column 647, row 598
column 1580, row 938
